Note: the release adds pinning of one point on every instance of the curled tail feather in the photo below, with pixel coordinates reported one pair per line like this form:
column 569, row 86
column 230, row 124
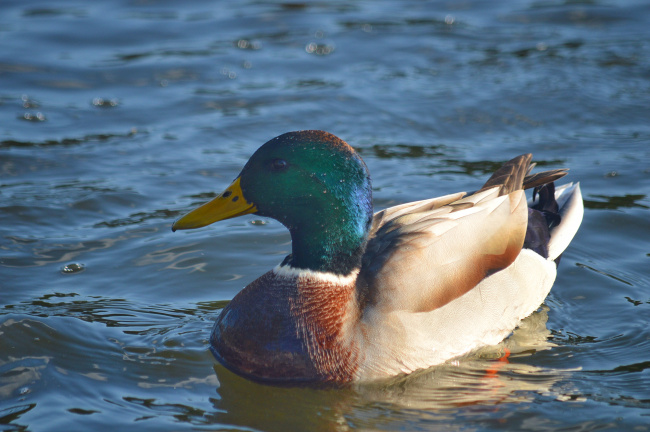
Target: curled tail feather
column 546, row 233
column 515, row 174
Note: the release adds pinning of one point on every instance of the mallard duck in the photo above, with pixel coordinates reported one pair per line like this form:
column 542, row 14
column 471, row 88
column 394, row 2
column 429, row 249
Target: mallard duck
column 366, row 296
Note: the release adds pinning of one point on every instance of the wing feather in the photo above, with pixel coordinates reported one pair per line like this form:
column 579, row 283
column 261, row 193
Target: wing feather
column 422, row 255
column 420, row 262
column 415, row 207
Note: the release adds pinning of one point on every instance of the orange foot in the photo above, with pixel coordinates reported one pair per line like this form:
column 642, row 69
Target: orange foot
column 492, row 372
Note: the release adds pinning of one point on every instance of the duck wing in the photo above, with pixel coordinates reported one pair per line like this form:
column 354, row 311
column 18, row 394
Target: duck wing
column 423, row 255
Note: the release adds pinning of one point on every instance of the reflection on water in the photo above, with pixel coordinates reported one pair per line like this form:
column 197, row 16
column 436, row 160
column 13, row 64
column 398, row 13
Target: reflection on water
column 399, row 151
column 30, row 255
column 68, row 141
column 616, row 202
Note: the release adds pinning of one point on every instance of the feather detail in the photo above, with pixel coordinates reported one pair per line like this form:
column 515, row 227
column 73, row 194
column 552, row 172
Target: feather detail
column 510, row 176
column 325, row 315
column 466, row 246
column 290, row 328
column 287, row 271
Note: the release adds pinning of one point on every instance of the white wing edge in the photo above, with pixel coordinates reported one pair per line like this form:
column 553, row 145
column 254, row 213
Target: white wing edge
column 569, row 200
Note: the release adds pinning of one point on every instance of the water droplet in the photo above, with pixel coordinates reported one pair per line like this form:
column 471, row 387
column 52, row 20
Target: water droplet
column 259, row 222
column 449, row 19
column 73, row 268
column 24, row 390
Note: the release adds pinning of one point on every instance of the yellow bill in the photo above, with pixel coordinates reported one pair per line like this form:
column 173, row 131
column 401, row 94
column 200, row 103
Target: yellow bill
column 229, row 204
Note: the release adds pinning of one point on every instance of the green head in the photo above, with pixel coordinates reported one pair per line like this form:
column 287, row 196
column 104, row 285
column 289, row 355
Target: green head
column 313, row 183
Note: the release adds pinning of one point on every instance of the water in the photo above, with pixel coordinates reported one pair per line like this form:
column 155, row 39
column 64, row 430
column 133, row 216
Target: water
column 118, row 116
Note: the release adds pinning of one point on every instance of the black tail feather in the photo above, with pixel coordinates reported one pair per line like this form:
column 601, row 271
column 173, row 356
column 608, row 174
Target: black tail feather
column 542, row 216
column 544, row 177
column 547, row 204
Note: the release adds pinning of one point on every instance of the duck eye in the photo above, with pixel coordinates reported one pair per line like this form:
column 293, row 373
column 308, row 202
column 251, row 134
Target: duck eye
column 279, row 164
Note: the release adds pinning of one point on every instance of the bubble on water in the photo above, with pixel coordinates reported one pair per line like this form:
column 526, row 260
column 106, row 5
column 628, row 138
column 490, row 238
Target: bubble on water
column 246, row 44
column 229, row 73
column 104, row 103
column 319, row 49
column 28, row 102
column 73, row 268
column 34, row 117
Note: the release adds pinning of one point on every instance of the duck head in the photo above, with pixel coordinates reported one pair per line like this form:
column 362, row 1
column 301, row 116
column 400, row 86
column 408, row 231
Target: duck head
column 312, row 182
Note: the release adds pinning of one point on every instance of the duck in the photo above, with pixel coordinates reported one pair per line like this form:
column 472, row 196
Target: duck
column 365, row 296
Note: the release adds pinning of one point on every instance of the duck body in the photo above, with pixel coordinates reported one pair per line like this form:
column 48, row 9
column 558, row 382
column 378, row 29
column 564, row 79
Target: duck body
column 368, row 296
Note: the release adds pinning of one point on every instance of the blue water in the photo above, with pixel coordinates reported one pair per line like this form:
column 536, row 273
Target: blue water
column 118, row 116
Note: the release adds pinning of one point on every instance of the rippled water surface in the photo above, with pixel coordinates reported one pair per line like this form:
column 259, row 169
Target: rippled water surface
column 118, row 116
